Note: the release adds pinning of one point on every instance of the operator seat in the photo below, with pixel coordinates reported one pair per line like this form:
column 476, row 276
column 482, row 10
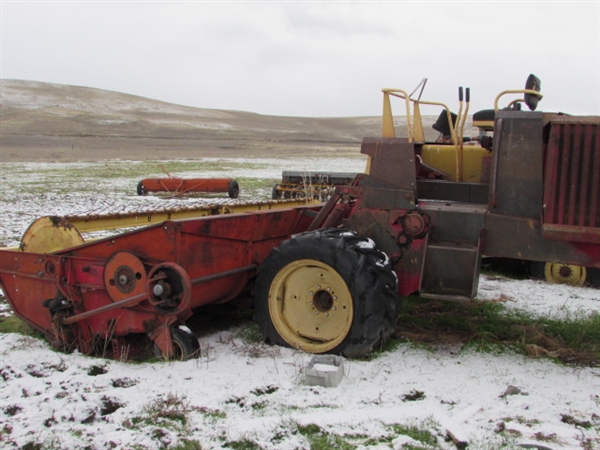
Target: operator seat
column 484, row 119
column 442, row 126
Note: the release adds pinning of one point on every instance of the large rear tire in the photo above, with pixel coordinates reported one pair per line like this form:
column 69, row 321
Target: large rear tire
column 327, row 291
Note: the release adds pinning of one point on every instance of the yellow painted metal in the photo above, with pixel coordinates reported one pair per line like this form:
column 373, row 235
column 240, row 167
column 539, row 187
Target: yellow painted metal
column 418, row 132
column 50, row 234
column 460, row 128
column 517, row 91
column 388, row 118
column 311, row 306
column 565, row 274
column 443, row 158
column 112, row 221
column 388, row 129
column 459, row 161
column 487, row 125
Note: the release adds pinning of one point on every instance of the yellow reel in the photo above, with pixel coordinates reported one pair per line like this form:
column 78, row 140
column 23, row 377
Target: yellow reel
column 50, row 234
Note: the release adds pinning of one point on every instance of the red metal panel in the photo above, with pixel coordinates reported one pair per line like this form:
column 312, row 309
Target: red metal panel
column 572, row 180
column 82, row 294
column 183, row 186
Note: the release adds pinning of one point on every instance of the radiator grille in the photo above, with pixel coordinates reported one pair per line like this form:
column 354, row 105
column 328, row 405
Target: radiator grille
column 572, row 180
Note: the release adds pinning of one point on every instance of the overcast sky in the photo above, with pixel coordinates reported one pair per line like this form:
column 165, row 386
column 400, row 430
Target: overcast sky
column 308, row 58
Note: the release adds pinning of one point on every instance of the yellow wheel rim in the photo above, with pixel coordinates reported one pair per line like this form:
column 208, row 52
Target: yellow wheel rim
column 178, row 352
column 311, row 306
column 565, row 274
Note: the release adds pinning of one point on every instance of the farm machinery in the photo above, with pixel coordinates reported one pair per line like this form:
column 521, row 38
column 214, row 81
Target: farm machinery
column 319, row 185
column 183, row 186
column 328, row 277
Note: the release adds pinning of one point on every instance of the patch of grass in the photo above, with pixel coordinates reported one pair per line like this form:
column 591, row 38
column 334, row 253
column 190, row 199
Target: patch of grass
column 389, row 346
column 186, row 444
column 168, row 412
column 265, row 391
column 487, row 326
column 568, row 419
column 251, row 333
column 413, row 396
column 323, row 440
column 244, row 444
column 213, row 413
column 320, row 439
column 259, row 406
column 32, row 446
column 13, row 324
column 418, row 434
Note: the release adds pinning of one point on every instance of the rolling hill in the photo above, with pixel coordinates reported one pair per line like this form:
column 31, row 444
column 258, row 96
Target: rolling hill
column 54, row 122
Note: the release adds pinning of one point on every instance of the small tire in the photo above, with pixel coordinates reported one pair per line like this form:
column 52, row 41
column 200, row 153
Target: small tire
column 233, row 189
column 185, row 346
column 327, row 291
column 141, row 190
column 593, row 277
column 537, row 270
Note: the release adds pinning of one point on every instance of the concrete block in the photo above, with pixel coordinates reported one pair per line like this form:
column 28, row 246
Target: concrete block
column 324, row 370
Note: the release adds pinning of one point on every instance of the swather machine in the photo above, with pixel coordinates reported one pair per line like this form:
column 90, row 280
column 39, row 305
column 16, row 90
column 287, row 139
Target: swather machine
column 327, row 278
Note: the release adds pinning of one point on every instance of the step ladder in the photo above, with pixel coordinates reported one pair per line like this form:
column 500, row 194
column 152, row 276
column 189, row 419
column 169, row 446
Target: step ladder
column 452, row 260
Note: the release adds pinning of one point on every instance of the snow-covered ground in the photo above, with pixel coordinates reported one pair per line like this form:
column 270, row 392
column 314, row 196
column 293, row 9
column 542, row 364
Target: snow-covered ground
column 238, row 393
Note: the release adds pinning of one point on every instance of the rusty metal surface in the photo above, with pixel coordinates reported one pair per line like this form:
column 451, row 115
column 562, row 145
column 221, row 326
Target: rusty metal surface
column 450, row 271
column 452, row 192
column 453, row 253
column 99, row 221
column 572, row 180
column 455, row 223
column 181, row 186
column 320, row 178
column 142, row 281
column 392, row 161
column 521, row 238
column 381, row 198
column 516, row 177
column 393, row 232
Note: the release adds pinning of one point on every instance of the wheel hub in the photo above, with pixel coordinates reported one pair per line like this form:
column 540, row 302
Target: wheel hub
column 565, row 274
column 124, row 276
column 311, row 306
column 565, row 271
column 323, row 300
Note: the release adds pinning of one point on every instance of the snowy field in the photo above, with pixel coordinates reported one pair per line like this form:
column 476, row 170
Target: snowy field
column 252, row 396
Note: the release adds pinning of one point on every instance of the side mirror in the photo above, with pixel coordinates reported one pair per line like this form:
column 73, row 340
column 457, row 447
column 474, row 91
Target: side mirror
column 533, row 83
